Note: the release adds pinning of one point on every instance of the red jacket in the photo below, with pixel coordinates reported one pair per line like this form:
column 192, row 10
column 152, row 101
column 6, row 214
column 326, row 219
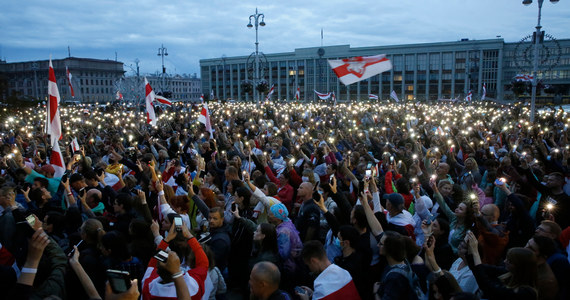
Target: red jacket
column 153, row 289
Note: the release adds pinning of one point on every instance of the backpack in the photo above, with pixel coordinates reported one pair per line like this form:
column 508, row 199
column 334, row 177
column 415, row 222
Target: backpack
column 413, row 280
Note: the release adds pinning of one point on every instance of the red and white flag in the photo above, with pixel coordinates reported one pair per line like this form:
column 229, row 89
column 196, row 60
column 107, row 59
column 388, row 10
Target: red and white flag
column 323, row 96
column 163, row 100
column 75, row 145
column 270, row 92
column 524, row 77
column 119, row 96
column 149, row 98
column 298, row 93
column 372, row 97
column 204, row 118
column 354, row 69
column 335, row 283
column 484, row 91
column 202, row 98
column 394, row 96
column 56, row 160
column 469, row 96
column 69, row 81
column 53, row 121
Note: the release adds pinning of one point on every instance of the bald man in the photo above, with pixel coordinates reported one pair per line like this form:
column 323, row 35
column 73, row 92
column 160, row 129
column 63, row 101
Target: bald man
column 308, row 221
column 493, row 236
column 264, row 282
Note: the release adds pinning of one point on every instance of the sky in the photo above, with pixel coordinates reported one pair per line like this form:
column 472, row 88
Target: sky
column 191, row 30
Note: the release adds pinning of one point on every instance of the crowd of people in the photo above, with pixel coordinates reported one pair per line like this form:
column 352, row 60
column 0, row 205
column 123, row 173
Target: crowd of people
column 287, row 201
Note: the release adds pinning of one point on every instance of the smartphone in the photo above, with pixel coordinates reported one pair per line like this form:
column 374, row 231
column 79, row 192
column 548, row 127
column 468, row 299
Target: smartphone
column 70, row 254
column 331, row 178
column 64, row 177
column 82, row 192
column 300, row 290
column 391, row 160
column 369, row 166
column 178, row 223
column 120, row 281
column 161, row 255
column 31, row 220
column 430, row 219
column 234, row 206
column 368, row 173
column 500, row 181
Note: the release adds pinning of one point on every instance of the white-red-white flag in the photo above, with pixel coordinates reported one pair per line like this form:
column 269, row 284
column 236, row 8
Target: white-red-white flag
column 354, row 69
column 53, row 121
column 69, row 81
column 523, row 77
column 119, row 96
column 469, row 96
column 484, row 91
column 202, row 98
column 394, row 96
column 56, row 160
column 163, row 100
column 323, row 96
column 204, row 118
column 75, row 145
column 149, row 99
column 372, row 97
column 270, row 92
column 298, row 93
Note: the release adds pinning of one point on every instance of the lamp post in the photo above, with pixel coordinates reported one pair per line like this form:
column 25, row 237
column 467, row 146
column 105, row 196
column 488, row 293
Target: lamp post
column 163, row 52
column 256, row 17
column 537, row 36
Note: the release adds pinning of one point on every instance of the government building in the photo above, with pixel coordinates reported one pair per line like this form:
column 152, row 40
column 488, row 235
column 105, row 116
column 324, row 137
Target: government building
column 428, row 71
column 93, row 80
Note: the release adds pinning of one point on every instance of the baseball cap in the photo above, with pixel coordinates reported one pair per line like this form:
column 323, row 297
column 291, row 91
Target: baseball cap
column 394, row 198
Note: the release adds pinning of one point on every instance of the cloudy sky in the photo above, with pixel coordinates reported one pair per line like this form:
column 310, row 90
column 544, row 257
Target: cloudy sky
column 195, row 29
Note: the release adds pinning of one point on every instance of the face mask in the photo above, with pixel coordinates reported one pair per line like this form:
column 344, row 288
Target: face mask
column 336, row 242
column 305, row 179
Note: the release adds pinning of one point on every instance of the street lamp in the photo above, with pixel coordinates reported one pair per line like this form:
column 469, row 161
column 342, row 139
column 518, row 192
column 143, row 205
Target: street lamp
column 535, row 58
column 255, row 17
column 163, row 52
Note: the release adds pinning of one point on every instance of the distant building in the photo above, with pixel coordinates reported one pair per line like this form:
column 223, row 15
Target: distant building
column 177, row 87
column 430, row 71
column 93, row 80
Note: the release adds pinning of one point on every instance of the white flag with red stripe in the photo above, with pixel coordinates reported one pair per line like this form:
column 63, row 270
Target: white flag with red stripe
column 75, row 145
column 469, row 96
column 204, row 118
column 323, row 96
column 354, row 69
column 484, row 91
column 202, row 98
column 163, row 100
column 298, row 94
column 149, row 99
column 56, row 160
column 69, row 81
column 270, row 92
column 53, row 121
column 119, row 96
column 372, row 97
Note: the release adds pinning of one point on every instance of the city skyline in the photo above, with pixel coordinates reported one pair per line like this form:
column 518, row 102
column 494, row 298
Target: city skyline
column 193, row 31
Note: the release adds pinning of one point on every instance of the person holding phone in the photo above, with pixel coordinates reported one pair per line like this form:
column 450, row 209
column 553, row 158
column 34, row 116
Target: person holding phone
column 163, row 280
